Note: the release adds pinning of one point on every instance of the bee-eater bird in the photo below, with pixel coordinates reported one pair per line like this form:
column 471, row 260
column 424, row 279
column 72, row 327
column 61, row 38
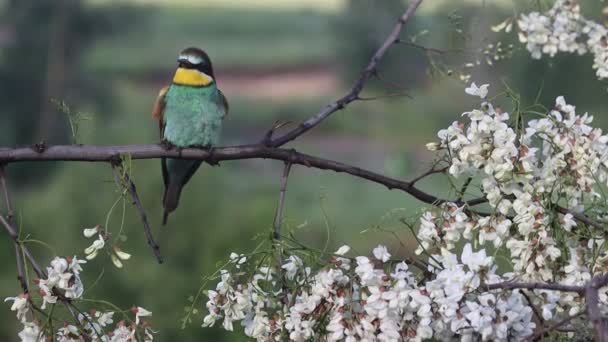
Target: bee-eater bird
column 190, row 113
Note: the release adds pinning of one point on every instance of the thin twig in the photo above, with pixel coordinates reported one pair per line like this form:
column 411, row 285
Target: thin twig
column 353, row 95
column 537, row 313
column 424, row 48
column 511, row 285
column 554, row 327
column 21, row 276
column 124, row 181
column 278, row 217
column 463, row 189
column 432, row 171
column 276, row 227
column 384, row 96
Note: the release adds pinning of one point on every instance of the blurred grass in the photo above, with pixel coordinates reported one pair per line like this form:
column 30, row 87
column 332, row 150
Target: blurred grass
column 234, row 38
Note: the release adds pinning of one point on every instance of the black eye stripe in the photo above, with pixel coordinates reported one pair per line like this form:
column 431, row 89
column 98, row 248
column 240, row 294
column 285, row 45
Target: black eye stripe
column 186, row 64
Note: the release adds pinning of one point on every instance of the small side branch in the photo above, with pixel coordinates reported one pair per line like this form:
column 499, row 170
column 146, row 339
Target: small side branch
column 353, row 95
column 123, row 180
column 555, row 327
column 278, row 217
column 21, row 277
column 511, row 285
column 432, row 171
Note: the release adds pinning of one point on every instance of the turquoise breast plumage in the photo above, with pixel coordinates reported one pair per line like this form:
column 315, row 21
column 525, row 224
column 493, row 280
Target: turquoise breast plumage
column 193, row 116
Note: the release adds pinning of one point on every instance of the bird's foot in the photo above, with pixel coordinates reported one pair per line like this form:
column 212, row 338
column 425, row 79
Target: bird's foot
column 166, row 145
column 211, row 158
column 40, row 147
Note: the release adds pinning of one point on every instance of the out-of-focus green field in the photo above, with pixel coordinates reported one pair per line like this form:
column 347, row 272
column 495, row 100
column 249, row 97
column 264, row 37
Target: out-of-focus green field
column 234, row 38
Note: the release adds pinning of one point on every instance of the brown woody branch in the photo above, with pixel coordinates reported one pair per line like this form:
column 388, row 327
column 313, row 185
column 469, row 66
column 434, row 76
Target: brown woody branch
column 511, row 285
column 113, row 153
column 124, row 181
column 357, row 88
column 589, row 291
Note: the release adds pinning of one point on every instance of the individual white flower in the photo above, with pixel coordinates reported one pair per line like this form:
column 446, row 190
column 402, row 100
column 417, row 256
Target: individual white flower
column 47, row 294
column 474, row 90
column 475, row 261
column 68, row 333
column 140, row 312
column 90, row 232
column 121, row 254
column 31, row 333
column 116, row 261
column 20, row 305
column 568, row 222
column 104, row 319
column 433, row 146
column 93, row 249
column 342, row 250
column 381, row 253
column 291, row 267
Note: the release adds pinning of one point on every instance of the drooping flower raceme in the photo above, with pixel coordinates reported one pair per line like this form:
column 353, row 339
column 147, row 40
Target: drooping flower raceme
column 564, row 29
column 63, row 279
column 377, row 300
column 535, row 178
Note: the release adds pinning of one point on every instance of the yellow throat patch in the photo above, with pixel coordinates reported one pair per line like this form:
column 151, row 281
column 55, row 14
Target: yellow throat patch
column 191, row 77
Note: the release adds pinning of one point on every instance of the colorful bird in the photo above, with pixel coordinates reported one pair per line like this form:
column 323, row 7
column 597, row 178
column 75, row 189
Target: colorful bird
column 190, row 113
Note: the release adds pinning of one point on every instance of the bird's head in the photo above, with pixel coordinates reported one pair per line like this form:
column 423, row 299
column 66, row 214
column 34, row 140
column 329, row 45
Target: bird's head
column 194, row 68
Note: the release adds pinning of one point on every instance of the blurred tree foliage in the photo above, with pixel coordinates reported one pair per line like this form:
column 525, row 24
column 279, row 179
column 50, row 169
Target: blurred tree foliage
column 362, row 28
column 42, row 44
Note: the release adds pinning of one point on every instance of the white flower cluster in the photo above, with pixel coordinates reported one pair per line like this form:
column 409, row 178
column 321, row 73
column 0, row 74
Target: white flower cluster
column 564, row 29
column 372, row 299
column 556, row 160
column 537, row 178
column 63, row 279
column 117, row 255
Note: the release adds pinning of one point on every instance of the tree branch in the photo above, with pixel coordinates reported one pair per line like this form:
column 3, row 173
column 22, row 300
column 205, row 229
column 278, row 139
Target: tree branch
column 112, row 153
column 124, row 181
column 555, row 327
column 353, row 95
column 11, row 219
column 511, row 285
column 278, row 217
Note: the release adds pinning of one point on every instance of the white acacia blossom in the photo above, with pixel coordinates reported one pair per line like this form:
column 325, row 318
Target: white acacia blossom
column 63, row 278
column 536, row 176
column 375, row 301
column 564, row 29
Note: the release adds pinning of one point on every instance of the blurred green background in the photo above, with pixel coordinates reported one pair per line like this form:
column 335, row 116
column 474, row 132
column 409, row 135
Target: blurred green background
column 274, row 60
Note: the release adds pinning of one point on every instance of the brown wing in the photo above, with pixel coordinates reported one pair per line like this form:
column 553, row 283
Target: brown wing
column 158, row 114
column 224, row 103
column 159, row 108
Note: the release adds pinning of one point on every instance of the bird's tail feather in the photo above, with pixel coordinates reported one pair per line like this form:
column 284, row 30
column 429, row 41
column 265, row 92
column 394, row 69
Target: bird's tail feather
column 171, row 199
